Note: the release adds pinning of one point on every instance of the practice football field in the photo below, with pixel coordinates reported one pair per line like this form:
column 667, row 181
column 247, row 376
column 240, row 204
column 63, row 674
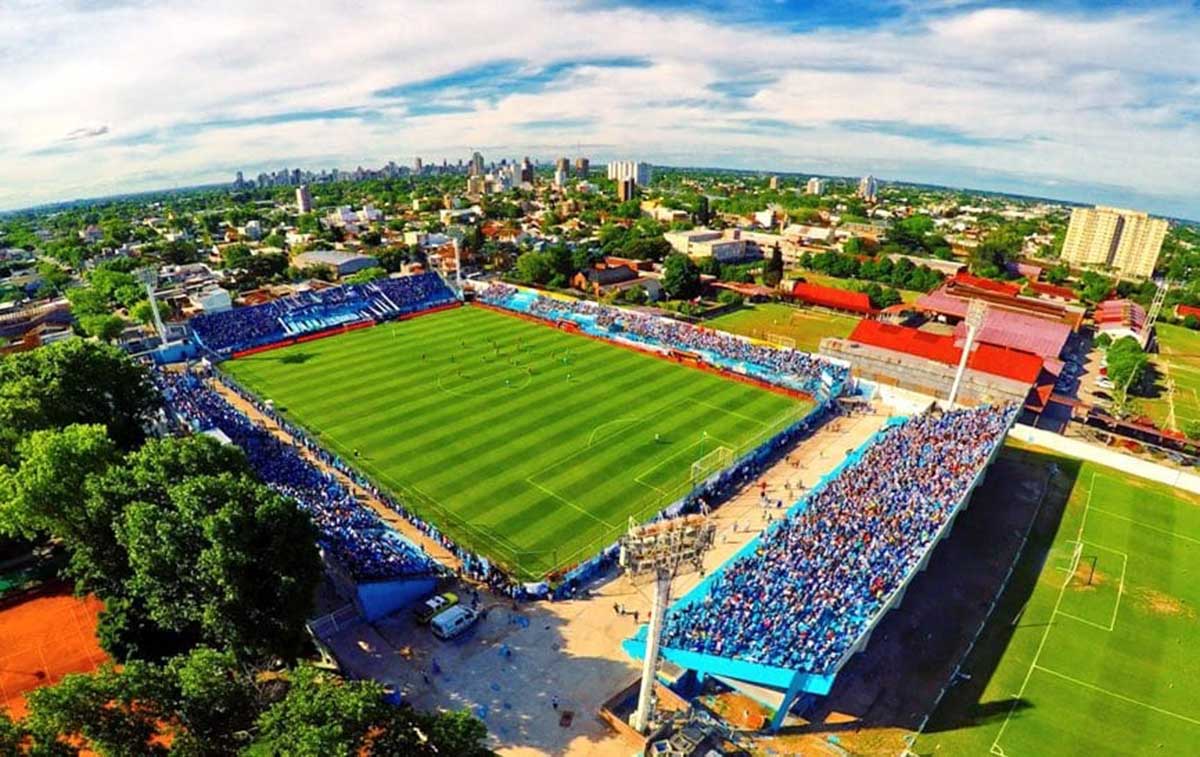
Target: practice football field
column 530, row 445
column 1102, row 658
column 805, row 326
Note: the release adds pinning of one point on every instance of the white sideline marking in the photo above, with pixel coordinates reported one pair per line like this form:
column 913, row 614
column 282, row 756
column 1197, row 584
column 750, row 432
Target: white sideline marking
column 665, row 460
column 995, row 748
column 569, row 503
column 1145, row 525
column 734, row 413
column 1115, row 695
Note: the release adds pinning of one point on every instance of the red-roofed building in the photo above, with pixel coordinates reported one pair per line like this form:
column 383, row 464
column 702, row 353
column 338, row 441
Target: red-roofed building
column 1122, row 318
column 925, row 362
column 1183, row 311
column 991, row 285
column 833, row 298
column 1053, row 291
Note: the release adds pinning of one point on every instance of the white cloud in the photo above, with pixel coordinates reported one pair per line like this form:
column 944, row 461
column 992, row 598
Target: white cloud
column 1031, row 97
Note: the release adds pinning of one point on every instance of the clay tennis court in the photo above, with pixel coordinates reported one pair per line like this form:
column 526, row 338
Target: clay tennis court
column 43, row 637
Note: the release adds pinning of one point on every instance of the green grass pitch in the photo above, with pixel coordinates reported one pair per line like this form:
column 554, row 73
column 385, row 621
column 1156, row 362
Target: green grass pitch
column 1102, row 659
column 529, row 445
column 807, row 327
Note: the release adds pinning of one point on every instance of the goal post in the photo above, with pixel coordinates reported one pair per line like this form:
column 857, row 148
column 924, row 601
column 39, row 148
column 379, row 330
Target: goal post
column 710, row 463
column 778, row 340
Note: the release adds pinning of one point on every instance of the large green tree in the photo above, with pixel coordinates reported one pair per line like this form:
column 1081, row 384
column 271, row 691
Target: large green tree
column 73, row 381
column 681, row 277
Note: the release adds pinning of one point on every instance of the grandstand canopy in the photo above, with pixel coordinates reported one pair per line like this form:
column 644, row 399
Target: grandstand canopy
column 830, row 297
column 988, row 358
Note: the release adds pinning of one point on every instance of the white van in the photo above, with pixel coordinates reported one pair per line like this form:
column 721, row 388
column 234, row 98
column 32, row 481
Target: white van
column 454, row 621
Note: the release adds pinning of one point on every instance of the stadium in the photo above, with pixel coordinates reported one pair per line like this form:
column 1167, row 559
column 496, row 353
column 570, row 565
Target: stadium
column 524, row 432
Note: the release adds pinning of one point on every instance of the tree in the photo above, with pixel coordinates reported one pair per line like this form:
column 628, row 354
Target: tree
column 106, row 328
column 681, row 278
column 54, row 276
column 1126, row 363
column 534, row 268
column 325, row 715
column 236, row 256
column 992, row 256
column 74, row 381
column 773, row 272
column 1192, row 322
column 321, row 715
column 214, row 701
column 1058, row 274
column 221, row 558
column 392, row 259
column 365, row 275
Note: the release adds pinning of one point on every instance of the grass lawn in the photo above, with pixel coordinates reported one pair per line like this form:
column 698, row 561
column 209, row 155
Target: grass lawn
column 1178, row 365
column 528, row 444
column 853, row 285
column 804, row 325
column 1101, row 657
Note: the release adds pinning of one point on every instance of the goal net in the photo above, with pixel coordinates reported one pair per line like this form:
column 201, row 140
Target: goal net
column 713, row 462
column 778, row 340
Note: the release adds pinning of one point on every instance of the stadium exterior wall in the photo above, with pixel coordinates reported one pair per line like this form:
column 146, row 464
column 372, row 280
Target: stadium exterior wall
column 377, row 599
column 796, row 682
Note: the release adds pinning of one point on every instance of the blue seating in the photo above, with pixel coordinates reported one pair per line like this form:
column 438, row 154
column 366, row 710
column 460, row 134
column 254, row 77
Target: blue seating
column 767, row 363
column 814, row 583
column 349, row 531
column 243, row 328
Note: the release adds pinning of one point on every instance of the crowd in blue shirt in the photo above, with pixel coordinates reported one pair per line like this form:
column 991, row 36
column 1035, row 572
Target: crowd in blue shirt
column 803, row 366
column 349, row 531
column 814, row 582
column 380, row 300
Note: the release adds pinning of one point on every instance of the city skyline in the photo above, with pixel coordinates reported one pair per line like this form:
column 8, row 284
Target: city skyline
column 1028, row 100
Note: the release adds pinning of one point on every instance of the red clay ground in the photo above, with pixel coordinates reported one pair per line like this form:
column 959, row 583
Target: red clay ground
column 43, row 637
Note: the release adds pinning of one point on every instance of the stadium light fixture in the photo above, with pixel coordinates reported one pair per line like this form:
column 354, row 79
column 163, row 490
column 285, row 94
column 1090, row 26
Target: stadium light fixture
column 659, row 552
column 148, row 277
column 976, row 313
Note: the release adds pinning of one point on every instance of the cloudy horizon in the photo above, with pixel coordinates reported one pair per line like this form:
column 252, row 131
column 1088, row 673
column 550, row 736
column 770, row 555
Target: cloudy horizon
column 1090, row 102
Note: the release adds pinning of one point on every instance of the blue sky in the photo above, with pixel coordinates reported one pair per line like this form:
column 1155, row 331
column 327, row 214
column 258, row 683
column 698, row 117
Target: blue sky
column 1092, row 102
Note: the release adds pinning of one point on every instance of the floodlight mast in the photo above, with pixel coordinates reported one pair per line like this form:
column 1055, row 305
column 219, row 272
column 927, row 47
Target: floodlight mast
column 976, row 312
column 149, row 277
column 661, row 551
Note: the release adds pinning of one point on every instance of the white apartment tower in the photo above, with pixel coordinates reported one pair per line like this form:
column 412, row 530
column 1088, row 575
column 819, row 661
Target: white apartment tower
column 620, row 170
column 815, row 186
column 868, row 188
column 303, row 199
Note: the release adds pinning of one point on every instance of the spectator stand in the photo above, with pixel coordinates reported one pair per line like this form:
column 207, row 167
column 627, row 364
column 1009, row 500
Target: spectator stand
column 791, row 683
column 365, row 558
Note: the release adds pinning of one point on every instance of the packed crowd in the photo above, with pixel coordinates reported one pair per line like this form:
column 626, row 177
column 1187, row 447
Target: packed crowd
column 380, row 300
column 349, row 531
column 814, row 583
column 805, row 367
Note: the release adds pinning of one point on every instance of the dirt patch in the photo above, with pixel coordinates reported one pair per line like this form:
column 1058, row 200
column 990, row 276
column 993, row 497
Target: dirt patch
column 738, row 710
column 1087, row 578
column 1158, row 603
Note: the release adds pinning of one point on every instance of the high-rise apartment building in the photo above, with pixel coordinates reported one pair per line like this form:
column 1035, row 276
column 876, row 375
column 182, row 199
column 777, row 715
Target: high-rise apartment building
column 582, row 167
column 868, row 188
column 626, row 189
column 1126, row 241
column 562, row 164
column 815, row 186
column 417, row 165
column 628, row 169
column 303, row 199
column 560, row 175
column 476, row 167
column 526, row 170
column 773, row 183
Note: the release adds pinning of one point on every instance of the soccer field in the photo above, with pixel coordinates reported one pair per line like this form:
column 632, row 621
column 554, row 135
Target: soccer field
column 804, row 325
column 1178, row 365
column 1101, row 659
column 530, row 445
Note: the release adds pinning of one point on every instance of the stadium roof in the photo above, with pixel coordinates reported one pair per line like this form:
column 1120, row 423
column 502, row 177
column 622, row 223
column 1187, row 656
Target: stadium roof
column 1007, row 363
column 838, row 299
column 1052, row 290
column 999, row 287
column 1183, row 311
column 1027, row 333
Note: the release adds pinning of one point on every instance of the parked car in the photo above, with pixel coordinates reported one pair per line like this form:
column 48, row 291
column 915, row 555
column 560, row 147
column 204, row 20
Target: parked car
column 453, row 622
column 434, row 606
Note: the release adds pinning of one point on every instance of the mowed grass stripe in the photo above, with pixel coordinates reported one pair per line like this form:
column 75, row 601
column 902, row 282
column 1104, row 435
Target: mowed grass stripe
column 536, row 466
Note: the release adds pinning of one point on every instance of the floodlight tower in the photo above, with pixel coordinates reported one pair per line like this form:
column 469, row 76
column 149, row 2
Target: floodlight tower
column 976, row 312
column 149, row 278
column 660, row 552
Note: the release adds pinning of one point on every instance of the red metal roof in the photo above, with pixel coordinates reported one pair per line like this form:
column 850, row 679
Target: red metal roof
column 1027, row 333
column 1183, row 311
column 1052, row 290
column 839, row 299
column 986, row 358
column 991, row 285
